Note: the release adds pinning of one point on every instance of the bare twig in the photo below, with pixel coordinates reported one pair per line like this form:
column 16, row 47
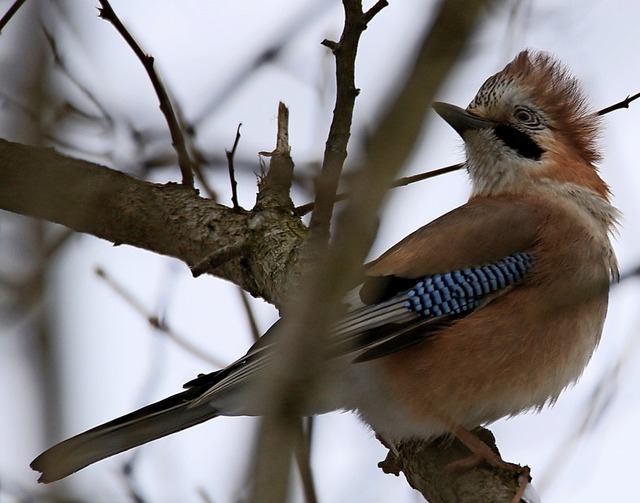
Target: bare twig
column 155, row 322
column 377, row 7
column 346, row 92
column 407, row 180
column 274, row 188
column 9, row 14
column 232, row 172
column 219, row 257
column 197, row 169
column 303, row 209
column 184, row 159
column 621, row 104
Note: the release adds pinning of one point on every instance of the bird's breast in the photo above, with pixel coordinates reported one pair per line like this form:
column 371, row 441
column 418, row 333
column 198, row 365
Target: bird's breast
column 516, row 353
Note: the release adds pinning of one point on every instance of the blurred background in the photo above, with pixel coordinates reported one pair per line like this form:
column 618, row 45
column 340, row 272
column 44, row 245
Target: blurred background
column 77, row 348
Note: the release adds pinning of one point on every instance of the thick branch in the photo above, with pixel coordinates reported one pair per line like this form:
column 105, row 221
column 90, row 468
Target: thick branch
column 167, row 219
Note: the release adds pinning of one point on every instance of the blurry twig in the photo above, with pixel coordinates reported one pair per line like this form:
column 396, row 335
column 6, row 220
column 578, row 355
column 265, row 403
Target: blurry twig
column 302, row 362
column 156, row 323
column 628, row 274
column 61, row 64
column 303, row 459
column 127, row 471
column 292, row 27
column 206, row 498
column 9, row 14
column 26, row 291
column 184, row 159
column 244, row 298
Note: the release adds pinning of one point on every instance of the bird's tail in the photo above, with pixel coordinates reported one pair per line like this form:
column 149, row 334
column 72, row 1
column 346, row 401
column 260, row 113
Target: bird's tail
column 149, row 423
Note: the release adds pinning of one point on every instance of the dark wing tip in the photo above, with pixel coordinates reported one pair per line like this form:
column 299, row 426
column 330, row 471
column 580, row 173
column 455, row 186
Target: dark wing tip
column 48, row 468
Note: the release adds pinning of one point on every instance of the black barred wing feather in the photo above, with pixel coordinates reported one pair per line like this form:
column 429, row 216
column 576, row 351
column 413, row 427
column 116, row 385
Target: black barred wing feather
column 431, row 303
column 459, row 292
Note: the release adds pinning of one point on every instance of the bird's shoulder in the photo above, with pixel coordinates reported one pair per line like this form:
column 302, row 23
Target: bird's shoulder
column 483, row 230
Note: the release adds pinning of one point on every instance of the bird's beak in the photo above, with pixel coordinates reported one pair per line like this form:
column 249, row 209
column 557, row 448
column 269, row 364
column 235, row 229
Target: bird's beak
column 459, row 119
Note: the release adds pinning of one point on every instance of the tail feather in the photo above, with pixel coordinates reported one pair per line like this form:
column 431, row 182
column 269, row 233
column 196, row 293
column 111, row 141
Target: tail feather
column 144, row 425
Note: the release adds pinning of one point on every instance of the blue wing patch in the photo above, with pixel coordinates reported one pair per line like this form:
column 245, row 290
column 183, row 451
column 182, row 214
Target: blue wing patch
column 423, row 307
column 460, row 291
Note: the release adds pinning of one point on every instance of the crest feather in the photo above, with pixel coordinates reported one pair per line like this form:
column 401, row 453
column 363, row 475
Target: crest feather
column 551, row 87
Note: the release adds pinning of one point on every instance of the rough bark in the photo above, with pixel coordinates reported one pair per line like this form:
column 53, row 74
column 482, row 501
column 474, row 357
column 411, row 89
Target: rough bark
column 168, row 219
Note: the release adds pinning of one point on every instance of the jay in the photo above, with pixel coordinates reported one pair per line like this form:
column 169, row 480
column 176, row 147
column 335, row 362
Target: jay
column 488, row 311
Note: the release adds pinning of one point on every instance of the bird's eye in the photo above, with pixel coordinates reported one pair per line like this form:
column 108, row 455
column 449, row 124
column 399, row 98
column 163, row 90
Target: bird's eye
column 525, row 116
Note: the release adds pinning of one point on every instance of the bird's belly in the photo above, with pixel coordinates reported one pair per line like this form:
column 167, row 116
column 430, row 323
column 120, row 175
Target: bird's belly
column 474, row 374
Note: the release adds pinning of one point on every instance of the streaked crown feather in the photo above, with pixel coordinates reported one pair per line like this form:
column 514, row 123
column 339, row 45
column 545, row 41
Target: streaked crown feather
column 546, row 82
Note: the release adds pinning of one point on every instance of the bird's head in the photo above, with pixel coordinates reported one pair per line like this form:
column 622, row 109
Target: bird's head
column 528, row 123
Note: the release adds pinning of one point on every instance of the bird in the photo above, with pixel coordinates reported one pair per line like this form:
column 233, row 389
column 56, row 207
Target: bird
column 490, row 310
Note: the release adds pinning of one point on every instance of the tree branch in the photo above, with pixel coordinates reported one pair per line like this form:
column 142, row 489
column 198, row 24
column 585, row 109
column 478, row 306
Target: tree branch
column 167, row 219
column 303, row 209
column 420, row 461
column 617, row 106
column 340, row 131
column 232, row 172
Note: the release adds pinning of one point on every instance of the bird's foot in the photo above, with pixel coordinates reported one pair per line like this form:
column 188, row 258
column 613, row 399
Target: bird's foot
column 481, row 454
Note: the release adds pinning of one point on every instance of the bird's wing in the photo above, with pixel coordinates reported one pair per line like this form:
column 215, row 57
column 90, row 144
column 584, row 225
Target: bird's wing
column 481, row 231
column 440, row 273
